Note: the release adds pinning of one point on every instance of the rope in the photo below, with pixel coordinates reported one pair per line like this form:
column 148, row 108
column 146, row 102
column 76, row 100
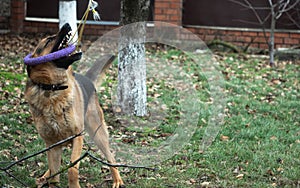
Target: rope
column 91, row 7
column 28, row 60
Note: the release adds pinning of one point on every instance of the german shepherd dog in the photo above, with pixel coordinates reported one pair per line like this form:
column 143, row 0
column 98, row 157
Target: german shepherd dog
column 63, row 104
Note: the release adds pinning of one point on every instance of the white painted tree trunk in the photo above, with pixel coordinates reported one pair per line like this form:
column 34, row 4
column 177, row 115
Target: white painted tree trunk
column 68, row 14
column 132, row 93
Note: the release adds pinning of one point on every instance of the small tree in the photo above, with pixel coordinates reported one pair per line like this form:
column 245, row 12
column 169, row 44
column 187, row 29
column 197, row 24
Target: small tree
column 131, row 92
column 276, row 9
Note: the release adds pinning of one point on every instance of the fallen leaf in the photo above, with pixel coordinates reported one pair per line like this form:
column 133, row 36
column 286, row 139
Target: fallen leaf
column 204, row 184
column 240, row 176
column 280, row 170
column 224, row 138
column 192, row 180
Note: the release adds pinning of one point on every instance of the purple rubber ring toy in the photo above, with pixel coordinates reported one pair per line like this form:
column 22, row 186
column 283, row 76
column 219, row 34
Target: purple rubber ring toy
column 28, row 60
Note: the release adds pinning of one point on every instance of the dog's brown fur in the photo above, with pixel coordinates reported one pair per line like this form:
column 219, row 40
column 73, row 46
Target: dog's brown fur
column 60, row 114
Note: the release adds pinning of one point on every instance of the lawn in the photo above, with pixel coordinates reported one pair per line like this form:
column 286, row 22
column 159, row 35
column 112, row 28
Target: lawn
column 258, row 144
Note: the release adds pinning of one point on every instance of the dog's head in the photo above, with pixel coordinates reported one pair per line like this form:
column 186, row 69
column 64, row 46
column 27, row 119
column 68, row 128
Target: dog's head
column 53, row 71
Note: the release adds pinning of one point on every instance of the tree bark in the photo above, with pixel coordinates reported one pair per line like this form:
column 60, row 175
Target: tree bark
column 271, row 39
column 68, row 14
column 272, row 42
column 132, row 92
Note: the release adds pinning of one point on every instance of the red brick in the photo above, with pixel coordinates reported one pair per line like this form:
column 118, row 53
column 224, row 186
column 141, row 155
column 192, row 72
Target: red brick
column 39, row 24
column 18, row 17
column 243, row 39
column 216, row 32
column 295, row 35
column 278, row 40
column 93, row 31
column 228, row 38
column 175, row 17
column 263, row 46
column 262, row 34
column 17, row 3
column 209, row 37
column 260, row 40
column 239, row 43
column 249, row 33
column 31, row 29
column 158, row 11
column 235, row 33
column 176, row 5
column 193, row 30
column 291, row 41
column 282, row 46
column 171, row 11
column 161, row 18
column 254, row 45
column 162, row 5
column 282, row 35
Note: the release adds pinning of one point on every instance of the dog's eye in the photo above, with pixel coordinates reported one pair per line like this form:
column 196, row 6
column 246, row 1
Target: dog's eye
column 48, row 41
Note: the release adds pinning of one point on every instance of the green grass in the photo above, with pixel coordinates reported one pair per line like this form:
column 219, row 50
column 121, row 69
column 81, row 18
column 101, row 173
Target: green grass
column 257, row 146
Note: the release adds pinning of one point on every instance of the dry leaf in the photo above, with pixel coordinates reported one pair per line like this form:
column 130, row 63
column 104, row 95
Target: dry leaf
column 192, row 180
column 240, row 176
column 224, row 138
column 204, row 184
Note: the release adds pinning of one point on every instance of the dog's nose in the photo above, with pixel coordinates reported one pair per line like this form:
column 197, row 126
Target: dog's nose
column 66, row 26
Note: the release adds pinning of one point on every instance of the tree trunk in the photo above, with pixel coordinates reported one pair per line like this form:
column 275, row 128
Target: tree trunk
column 132, row 95
column 271, row 41
column 67, row 14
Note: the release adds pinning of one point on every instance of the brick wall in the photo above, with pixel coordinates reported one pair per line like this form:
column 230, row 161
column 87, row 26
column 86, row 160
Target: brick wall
column 168, row 11
column 17, row 16
column 165, row 11
column 4, row 14
column 243, row 38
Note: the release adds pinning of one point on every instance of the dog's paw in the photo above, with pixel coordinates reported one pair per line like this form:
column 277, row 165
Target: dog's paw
column 41, row 182
column 118, row 184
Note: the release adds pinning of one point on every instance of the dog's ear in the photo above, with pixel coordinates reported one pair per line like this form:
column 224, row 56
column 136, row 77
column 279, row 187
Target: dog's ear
column 65, row 62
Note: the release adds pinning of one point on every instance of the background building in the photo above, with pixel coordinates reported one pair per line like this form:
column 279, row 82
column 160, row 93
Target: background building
column 209, row 19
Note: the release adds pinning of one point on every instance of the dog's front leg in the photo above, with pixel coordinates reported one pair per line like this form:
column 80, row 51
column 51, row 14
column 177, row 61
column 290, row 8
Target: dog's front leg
column 54, row 162
column 74, row 171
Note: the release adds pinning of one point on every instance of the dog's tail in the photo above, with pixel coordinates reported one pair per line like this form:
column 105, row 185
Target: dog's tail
column 97, row 71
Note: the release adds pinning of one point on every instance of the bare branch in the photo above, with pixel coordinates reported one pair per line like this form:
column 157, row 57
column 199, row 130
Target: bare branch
column 42, row 151
column 271, row 3
column 69, row 166
column 13, row 176
column 119, row 165
column 290, row 7
column 247, row 5
column 86, row 154
column 247, row 22
column 281, row 6
column 261, row 21
column 293, row 20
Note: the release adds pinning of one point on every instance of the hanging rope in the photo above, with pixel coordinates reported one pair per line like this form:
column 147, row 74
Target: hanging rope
column 92, row 5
